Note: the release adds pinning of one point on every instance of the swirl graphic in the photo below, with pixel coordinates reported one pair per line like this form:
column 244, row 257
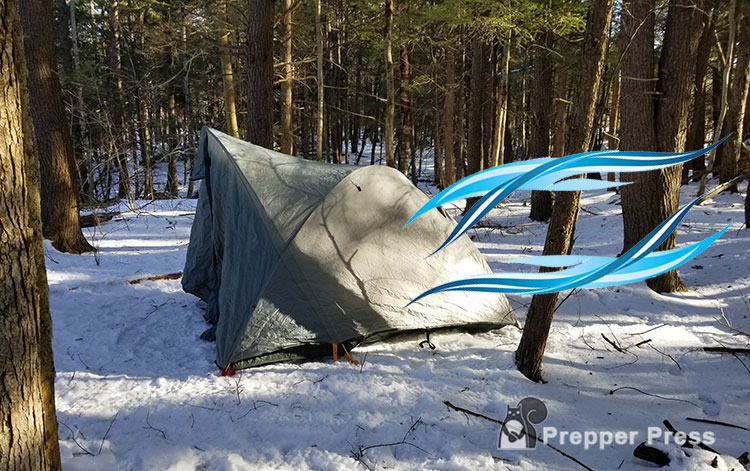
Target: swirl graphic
column 638, row 263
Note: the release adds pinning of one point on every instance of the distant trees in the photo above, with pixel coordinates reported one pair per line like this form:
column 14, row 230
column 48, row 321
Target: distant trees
column 28, row 431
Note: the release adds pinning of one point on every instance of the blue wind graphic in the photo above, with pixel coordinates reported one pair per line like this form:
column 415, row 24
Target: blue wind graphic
column 638, row 263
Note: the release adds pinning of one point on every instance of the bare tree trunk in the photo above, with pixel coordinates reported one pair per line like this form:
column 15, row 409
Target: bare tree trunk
column 561, row 113
column 655, row 195
column 227, row 75
column 460, row 136
column 172, row 189
column 738, row 97
column 567, row 204
column 321, row 90
column 501, row 110
column 390, row 107
column 287, row 85
column 613, row 141
column 28, row 431
column 723, row 105
column 449, row 104
column 119, row 131
column 542, row 109
column 145, row 138
column 477, row 98
column 404, row 107
column 54, row 146
column 638, row 129
column 189, row 145
column 83, row 146
column 260, row 73
column 697, row 130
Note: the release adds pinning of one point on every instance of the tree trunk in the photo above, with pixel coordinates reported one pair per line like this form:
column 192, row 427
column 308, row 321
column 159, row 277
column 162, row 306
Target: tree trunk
column 227, row 75
column 613, row 141
column 404, row 108
column 638, row 129
column 561, row 113
column 448, row 116
column 655, row 195
column 81, row 135
column 287, row 86
column 145, row 138
column 697, row 130
column 28, row 431
column 542, row 109
column 501, row 110
column 62, row 34
column 461, row 112
column 119, row 132
column 723, row 95
column 738, row 97
column 172, row 188
column 477, row 98
column 390, row 107
column 54, row 146
column 260, row 73
column 567, row 204
column 321, row 90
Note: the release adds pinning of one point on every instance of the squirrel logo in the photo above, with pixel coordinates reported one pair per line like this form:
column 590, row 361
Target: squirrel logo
column 518, row 432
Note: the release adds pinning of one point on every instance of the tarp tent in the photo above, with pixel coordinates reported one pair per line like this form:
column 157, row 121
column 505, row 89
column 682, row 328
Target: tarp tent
column 292, row 256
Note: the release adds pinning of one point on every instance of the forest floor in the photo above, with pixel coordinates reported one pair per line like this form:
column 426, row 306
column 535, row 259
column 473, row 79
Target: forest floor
column 138, row 390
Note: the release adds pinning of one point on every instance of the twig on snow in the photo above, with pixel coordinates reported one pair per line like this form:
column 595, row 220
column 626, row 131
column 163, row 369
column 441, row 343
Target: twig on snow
column 111, row 423
column 163, row 434
column 73, row 437
column 717, row 422
column 613, row 391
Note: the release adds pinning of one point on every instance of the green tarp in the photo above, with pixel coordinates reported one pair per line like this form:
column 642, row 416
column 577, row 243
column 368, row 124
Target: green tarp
column 292, row 256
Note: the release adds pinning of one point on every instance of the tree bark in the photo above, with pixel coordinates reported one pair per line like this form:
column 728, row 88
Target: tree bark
column 501, row 110
column 449, row 111
column 227, row 74
column 321, row 90
column 542, row 109
column 738, row 97
column 28, row 431
column 655, row 195
column 260, row 73
column 390, row 107
column 561, row 113
column 638, row 129
column 287, row 85
column 404, row 108
column 721, row 102
column 477, row 98
column 54, row 145
column 697, row 130
column 567, row 204
column 613, row 141
column 119, row 132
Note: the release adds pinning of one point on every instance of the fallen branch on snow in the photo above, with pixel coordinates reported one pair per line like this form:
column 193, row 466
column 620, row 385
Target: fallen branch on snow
column 168, row 276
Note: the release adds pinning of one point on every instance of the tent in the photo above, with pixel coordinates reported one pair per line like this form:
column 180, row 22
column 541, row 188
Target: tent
column 293, row 256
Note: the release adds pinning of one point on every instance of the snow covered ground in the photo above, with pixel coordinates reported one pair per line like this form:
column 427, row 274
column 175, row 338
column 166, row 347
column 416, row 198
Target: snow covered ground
column 138, row 390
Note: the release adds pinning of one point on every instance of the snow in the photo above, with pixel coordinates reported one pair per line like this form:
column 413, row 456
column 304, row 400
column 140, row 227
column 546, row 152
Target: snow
column 137, row 390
